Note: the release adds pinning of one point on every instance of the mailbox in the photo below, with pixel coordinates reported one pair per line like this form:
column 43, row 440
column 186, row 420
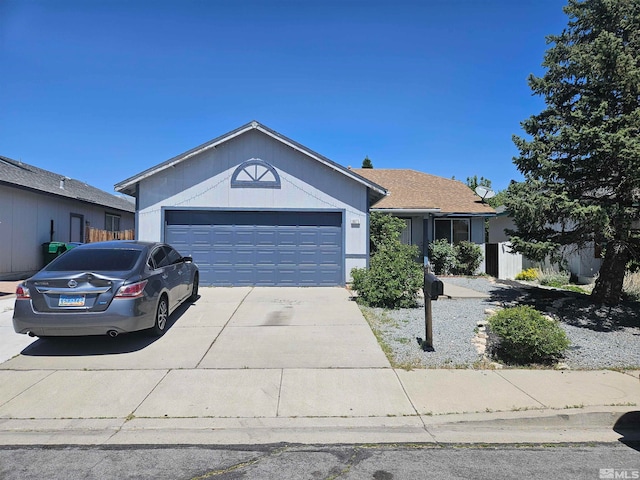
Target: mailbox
column 433, row 287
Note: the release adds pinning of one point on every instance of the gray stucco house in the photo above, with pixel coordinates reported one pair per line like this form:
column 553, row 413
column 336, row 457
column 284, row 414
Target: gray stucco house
column 253, row 207
column 38, row 206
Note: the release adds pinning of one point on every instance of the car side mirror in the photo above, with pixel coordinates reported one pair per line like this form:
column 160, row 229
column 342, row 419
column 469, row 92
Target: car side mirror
column 187, row 259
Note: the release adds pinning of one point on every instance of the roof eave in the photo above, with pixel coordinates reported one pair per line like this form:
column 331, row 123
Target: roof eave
column 128, row 186
column 468, row 214
column 407, row 211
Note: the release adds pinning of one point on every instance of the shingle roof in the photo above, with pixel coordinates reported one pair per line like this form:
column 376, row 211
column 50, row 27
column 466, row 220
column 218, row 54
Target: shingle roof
column 413, row 190
column 22, row 175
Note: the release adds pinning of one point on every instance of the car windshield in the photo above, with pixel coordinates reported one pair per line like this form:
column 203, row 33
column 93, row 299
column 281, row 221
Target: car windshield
column 93, row 259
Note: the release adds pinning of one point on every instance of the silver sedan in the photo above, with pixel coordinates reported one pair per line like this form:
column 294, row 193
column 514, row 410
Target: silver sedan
column 106, row 288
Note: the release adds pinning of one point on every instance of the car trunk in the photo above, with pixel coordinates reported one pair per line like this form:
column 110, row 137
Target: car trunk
column 84, row 292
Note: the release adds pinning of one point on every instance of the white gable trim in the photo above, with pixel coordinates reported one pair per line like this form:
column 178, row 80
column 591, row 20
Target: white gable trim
column 125, row 185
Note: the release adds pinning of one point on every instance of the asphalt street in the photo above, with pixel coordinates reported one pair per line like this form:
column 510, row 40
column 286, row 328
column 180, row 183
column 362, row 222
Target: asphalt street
column 354, row 462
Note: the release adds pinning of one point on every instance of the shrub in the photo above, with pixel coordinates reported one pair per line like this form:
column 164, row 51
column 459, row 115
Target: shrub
column 528, row 275
column 468, row 257
column 442, row 257
column 392, row 280
column 554, row 278
column 394, row 277
column 384, row 229
column 526, row 336
column 631, row 286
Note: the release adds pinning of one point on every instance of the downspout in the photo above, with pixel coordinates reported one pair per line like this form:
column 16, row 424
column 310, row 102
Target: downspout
column 367, row 228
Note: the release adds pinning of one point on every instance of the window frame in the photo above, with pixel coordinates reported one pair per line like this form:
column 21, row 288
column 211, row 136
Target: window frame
column 451, row 236
column 113, row 216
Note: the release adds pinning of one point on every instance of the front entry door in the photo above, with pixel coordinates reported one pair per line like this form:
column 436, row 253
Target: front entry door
column 76, row 234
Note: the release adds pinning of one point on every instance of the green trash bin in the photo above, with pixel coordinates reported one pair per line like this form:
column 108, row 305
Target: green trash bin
column 52, row 250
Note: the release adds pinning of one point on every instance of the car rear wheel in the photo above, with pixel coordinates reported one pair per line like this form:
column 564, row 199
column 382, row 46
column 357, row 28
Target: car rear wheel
column 162, row 315
column 194, row 288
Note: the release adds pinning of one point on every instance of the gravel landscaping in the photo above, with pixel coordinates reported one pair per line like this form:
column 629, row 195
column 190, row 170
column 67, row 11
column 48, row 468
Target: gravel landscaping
column 601, row 337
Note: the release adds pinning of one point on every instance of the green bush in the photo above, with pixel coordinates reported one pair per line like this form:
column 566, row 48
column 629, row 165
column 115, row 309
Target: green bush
column 526, row 336
column 392, row 280
column 442, row 257
column 468, row 258
column 384, row 230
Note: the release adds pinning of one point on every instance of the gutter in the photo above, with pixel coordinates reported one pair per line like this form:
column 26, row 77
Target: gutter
column 406, row 211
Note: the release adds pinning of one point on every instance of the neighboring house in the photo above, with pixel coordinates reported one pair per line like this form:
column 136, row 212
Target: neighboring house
column 583, row 263
column 432, row 207
column 253, row 207
column 38, row 206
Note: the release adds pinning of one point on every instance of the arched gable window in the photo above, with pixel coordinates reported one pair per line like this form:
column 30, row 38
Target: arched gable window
column 255, row 173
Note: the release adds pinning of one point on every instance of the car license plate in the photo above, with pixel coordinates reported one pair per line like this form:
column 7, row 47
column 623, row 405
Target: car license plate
column 71, row 301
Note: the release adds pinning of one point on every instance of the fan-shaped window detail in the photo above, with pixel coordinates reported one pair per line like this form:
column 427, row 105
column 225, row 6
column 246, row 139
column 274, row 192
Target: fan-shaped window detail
column 255, row 173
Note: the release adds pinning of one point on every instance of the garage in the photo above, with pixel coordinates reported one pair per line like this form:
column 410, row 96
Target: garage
column 265, row 248
column 254, row 207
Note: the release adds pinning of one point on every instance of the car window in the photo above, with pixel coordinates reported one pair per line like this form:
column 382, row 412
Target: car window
column 172, row 256
column 105, row 260
column 159, row 257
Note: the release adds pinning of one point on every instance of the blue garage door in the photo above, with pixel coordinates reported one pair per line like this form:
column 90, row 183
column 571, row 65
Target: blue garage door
column 260, row 248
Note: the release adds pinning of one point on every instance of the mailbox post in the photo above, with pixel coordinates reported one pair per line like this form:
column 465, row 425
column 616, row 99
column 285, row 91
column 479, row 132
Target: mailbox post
column 433, row 288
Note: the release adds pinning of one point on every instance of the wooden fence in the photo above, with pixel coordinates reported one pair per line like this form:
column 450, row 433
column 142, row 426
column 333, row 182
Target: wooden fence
column 96, row 235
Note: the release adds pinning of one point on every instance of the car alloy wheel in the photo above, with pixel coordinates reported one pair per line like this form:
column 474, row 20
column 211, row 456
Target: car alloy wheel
column 162, row 314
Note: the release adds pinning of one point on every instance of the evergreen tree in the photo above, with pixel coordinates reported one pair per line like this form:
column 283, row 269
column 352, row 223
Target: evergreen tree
column 581, row 159
column 366, row 163
column 473, row 182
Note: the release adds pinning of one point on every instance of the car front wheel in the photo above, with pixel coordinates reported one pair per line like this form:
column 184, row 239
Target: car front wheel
column 162, row 316
column 194, row 288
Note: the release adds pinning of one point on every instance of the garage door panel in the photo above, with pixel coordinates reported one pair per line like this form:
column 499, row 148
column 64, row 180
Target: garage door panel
column 287, row 257
column 261, row 248
column 265, row 276
column 265, row 237
column 266, row 256
column 242, row 276
column 306, row 257
column 241, row 256
column 329, row 238
column 243, row 236
column 308, row 237
column 220, row 236
column 202, row 259
column 326, row 257
column 287, row 237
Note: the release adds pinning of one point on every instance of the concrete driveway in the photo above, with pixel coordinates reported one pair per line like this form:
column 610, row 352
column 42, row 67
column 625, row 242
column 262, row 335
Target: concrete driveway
column 229, row 328
column 265, row 365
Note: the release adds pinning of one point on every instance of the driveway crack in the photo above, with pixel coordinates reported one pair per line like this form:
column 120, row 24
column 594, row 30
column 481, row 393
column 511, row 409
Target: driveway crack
column 225, row 326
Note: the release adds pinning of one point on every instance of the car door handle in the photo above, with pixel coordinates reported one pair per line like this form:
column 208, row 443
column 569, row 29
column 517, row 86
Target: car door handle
column 165, row 276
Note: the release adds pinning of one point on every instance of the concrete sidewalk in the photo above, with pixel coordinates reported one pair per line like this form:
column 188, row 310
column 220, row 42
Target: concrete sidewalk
column 298, row 365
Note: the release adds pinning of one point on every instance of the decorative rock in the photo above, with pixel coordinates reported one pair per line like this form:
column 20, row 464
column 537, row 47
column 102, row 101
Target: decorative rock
column 562, row 366
column 489, row 311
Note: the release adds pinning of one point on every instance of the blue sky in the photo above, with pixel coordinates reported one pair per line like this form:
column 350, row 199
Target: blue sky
column 100, row 90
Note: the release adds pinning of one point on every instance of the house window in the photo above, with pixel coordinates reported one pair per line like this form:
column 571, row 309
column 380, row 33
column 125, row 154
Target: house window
column 405, row 235
column 255, row 173
column 453, row 230
column 112, row 223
